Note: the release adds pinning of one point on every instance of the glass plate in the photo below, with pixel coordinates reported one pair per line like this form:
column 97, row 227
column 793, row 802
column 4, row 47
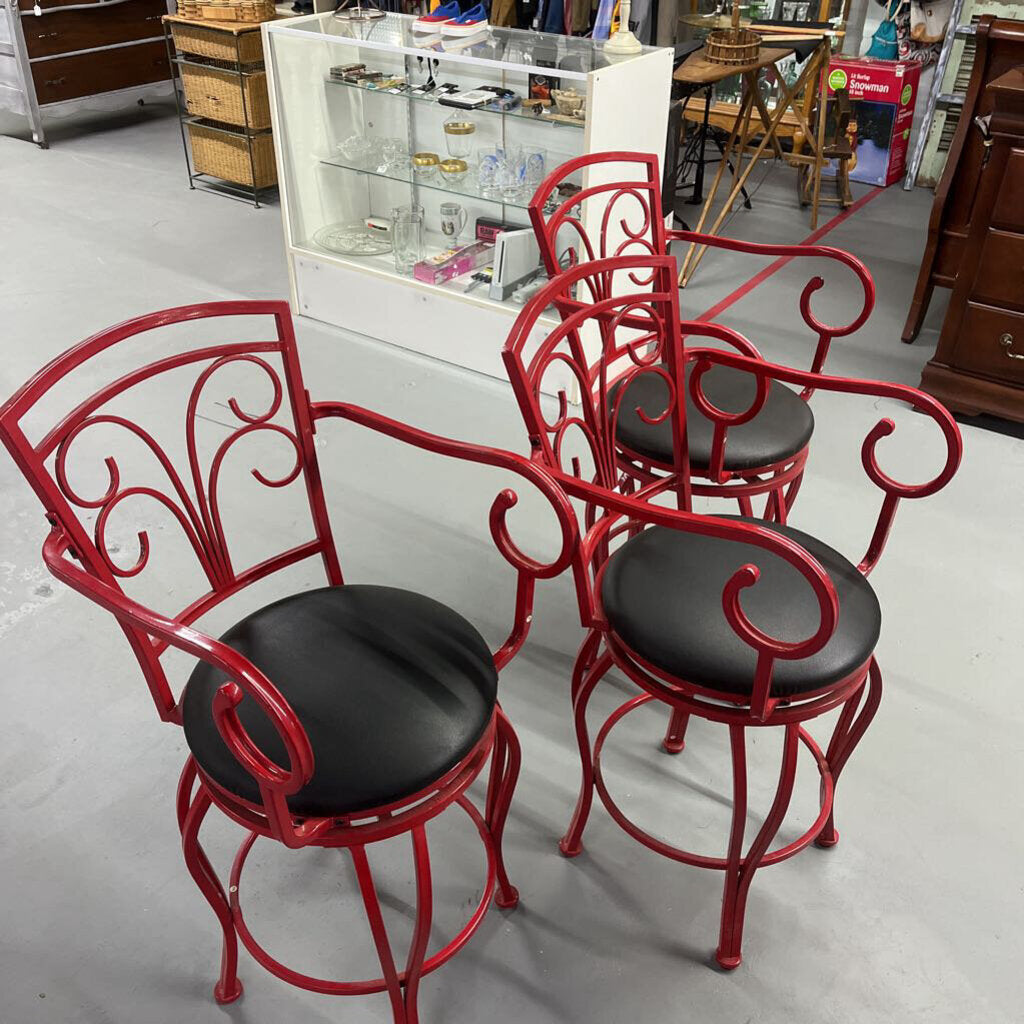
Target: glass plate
column 352, row 240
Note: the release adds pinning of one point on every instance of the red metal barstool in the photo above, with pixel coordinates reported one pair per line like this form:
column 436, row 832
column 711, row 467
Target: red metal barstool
column 618, row 213
column 748, row 623
column 337, row 717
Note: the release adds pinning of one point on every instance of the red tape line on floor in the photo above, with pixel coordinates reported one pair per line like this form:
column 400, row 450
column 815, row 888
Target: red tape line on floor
column 772, row 268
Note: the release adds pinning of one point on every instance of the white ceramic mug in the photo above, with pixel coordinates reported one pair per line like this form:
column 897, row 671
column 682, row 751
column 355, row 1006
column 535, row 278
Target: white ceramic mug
column 453, row 220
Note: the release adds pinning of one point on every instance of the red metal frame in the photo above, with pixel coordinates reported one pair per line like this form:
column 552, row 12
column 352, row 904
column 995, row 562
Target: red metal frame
column 195, row 507
column 611, row 514
column 643, row 232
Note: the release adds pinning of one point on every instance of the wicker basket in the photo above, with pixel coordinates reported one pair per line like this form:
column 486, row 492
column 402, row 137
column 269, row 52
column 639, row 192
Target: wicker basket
column 732, row 45
column 226, row 156
column 217, row 43
column 252, row 11
column 223, row 95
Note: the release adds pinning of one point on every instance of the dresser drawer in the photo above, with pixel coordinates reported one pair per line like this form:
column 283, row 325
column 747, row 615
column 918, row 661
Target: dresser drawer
column 66, row 31
column 1000, row 276
column 989, row 340
column 64, row 78
column 27, row 6
column 1009, row 209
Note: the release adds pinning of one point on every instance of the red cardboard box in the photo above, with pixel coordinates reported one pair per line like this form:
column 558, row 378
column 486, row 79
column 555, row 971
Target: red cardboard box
column 883, row 94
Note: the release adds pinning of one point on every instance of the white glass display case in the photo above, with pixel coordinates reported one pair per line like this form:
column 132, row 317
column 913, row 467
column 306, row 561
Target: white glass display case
column 353, row 103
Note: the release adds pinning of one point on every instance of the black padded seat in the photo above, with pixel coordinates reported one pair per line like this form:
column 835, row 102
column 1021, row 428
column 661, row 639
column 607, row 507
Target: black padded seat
column 781, row 429
column 392, row 688
column 662, row 594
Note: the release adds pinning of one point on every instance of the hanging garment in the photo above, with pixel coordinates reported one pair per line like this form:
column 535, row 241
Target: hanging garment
column 606, row 11
column 554, row 17
column 503, row 13
column 883, row 42
column 580, row 16
column 640, row 19
column 921, row 53
column 928, row 20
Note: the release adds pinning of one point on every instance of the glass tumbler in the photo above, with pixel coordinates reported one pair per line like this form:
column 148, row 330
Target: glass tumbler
column 394, row 155
column 488, row 159
column 407, row 237
column 536, row 161
column 512, row 174
column 458, row 136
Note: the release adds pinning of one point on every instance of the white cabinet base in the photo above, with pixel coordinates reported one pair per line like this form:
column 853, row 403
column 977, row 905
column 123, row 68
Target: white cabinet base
column 411, row 315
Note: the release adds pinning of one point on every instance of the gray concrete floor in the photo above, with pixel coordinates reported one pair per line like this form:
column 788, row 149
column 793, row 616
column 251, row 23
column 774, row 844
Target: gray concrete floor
column 915, row 916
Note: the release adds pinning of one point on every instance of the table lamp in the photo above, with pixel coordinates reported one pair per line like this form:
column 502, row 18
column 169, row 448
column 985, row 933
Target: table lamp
column 623, row 42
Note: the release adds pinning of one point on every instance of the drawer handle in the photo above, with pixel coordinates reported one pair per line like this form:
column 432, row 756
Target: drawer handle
column 1006, row 340
column 55, row 81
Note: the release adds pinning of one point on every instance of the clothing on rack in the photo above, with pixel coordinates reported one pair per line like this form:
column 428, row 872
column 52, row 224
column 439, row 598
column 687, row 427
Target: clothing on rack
column 640, row 19
column 884, row 43
column 581, row 13
column 503, row 14
column 923, row 53
column 553, row 17
column 606, row 11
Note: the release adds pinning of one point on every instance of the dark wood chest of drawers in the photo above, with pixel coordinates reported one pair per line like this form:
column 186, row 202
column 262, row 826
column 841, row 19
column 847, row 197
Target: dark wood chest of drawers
column 979, row 364
column 67, row 50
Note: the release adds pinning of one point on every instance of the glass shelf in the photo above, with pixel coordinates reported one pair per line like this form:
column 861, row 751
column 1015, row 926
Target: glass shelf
column 434, row 242
column 432, row 99
column 508, row 49
column 467, row 189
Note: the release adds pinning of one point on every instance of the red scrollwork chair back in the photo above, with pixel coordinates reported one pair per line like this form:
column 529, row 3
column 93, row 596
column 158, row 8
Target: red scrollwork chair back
column 191, row 497
column 579, row 229
column 656, row 348
column 606, row 219
column 604, row 343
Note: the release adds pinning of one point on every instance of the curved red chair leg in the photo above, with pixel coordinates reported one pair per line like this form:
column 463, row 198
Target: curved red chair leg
column 585, row 679
column 675, row 736
column 504, row 776
column 375, row 919
column 848, row 733
column 584, row 659
column 499, row 761
column 792, row 491
column 228, row 987
column 740, row 870
column 424, row 915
